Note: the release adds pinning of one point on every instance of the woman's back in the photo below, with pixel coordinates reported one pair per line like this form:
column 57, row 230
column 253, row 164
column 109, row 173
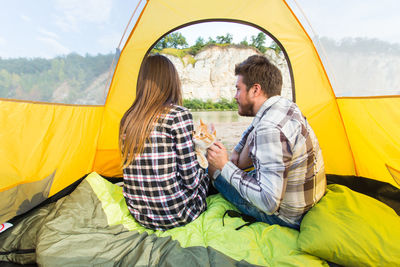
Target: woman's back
column 164, row 186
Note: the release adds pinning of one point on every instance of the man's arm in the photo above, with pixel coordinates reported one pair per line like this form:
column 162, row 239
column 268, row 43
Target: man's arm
column 266, row 189
column 240, row 153
column 244, row 160
column 239, row 147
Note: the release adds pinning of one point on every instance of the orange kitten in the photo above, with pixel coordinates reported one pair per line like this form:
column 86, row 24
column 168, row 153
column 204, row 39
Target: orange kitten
column 203, row 138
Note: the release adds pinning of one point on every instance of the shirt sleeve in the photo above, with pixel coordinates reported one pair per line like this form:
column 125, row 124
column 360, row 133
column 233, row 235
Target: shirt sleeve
column 266, row 187
column 187, row 165
column 239, row 147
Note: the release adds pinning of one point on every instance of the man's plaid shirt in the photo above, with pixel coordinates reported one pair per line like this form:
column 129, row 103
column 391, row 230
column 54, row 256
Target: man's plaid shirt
column 289, row 176
column 165, row 187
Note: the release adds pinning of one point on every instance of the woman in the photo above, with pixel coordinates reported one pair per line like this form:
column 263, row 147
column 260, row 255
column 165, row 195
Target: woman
column 164, row 186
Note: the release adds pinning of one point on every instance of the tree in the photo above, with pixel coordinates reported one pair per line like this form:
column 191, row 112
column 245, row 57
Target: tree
column 258, row 42
column 211, row 41
column 275, row 47
column 5, row 83
column 172, row 40
column 227, row 39
column 197, row 46
column 244, row 42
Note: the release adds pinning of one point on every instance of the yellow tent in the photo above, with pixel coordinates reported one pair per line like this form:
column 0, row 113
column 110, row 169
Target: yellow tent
column 46, row 147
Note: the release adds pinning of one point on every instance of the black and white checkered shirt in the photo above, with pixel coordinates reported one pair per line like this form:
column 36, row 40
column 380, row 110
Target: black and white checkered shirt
column 289, row 175
column 165, row 187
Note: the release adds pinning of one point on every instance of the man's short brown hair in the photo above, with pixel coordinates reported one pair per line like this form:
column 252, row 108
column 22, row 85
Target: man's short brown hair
column 258, row 69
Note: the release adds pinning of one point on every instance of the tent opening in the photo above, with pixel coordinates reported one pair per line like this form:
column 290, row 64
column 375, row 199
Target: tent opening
column 205, row 54
column 214, row 47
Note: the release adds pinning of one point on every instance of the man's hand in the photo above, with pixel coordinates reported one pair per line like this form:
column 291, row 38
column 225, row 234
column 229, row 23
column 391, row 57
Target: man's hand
column 217, row 155
column 235, row 157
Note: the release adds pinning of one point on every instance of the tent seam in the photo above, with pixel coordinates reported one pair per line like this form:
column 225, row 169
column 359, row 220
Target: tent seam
column 111, row 83
column 330, row 85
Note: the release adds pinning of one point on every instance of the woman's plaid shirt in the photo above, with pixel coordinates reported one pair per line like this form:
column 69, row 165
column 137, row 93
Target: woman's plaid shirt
column 165, row 187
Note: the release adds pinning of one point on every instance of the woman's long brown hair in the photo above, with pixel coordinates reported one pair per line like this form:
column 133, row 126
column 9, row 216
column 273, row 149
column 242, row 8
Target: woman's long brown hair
column 158, row 87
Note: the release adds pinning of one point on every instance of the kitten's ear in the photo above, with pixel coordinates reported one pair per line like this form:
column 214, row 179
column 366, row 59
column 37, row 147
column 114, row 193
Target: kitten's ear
column 201, row 122
column 212, row 129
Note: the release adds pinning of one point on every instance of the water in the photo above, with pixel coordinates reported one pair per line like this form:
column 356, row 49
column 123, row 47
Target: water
column 220, row 117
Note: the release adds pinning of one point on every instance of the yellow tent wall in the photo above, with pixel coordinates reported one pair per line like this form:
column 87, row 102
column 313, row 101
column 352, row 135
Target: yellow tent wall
column 373, row 128
column 313, row 91
column 37, row 139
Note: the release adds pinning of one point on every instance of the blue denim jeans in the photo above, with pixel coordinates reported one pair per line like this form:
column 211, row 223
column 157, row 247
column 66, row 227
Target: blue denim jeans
column 245, row 207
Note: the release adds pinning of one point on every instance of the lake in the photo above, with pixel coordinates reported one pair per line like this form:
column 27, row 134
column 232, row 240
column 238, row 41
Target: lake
column 219, row 116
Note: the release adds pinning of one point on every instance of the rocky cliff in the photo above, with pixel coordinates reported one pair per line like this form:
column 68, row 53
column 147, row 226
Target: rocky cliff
column 211, row 76
column 208, row 75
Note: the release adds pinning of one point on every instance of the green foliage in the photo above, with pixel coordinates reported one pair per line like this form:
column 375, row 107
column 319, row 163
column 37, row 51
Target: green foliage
column 227, row 39
column 37, row 79
column 183, row 54
column 174, row 52
column 197, row 104
column 244, row 42
column 360, row 45
column 177, row 41
column 172, row 40
column 258, row 42
column 276, row 47
column 197, row 46
column 190, row 59
column 211, row 41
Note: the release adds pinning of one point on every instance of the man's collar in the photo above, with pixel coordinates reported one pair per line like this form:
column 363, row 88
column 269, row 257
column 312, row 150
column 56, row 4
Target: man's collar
column 266, row 105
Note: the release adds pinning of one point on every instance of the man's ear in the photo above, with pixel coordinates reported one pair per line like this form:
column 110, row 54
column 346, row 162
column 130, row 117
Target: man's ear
column 257, row 90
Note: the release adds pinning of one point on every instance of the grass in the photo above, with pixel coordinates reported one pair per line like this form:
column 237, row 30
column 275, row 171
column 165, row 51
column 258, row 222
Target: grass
column 198, row 104
column 183, row 54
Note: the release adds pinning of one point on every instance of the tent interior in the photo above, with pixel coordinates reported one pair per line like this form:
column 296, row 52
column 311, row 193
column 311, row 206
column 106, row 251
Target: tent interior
column 48, row 149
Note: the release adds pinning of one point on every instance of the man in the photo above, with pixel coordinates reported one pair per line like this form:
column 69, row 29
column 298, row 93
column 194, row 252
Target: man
column 288, row 176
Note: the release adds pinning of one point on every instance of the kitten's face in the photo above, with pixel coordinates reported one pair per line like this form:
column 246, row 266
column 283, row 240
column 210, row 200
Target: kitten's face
column 204, row 136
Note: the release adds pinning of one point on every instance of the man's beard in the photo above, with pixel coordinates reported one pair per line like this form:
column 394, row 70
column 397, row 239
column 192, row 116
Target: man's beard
column 246, row 110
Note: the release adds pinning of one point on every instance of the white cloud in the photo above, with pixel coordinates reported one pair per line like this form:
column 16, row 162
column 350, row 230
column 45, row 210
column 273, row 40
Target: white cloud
column 47, row 33
column 75, row 12
column 54, row 47
column 2, row 41
column 26, row 18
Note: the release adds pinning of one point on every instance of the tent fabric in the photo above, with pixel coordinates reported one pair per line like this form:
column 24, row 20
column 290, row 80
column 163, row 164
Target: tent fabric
column 395, row 173
column 314, row 94
column 38, row 139
column 18, row 198
column 373, row 130
column 92, row 226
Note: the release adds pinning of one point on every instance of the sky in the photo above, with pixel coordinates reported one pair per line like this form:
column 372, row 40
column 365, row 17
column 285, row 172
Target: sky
column 44, row 28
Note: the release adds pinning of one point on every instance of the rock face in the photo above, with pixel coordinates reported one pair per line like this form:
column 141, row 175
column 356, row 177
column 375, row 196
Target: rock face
column 212, row 75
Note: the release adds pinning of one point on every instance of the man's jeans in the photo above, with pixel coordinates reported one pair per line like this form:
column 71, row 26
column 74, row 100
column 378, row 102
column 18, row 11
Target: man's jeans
column 233, row 196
